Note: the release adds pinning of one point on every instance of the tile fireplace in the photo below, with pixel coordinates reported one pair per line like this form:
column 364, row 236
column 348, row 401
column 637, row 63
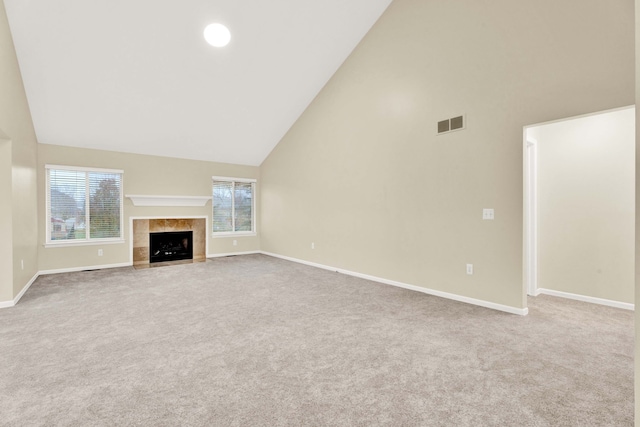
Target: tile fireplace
column 146, row 230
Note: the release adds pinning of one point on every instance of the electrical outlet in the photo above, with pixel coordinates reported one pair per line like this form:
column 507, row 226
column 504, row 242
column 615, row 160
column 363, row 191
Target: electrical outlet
column 469, row 269
column 488, row 213
column 313, row 245
column 100, row 253
column 235, row 243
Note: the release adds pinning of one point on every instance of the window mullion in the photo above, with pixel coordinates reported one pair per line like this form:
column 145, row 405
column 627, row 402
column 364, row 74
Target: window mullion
column 48, row 207
column 233, row 206
column 87, row 217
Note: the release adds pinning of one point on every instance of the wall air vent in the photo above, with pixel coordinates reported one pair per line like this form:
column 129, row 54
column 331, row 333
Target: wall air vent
column 449, row 125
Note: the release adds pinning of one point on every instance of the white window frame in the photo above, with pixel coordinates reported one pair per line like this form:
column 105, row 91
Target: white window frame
column 254, row 202
column 87, row 241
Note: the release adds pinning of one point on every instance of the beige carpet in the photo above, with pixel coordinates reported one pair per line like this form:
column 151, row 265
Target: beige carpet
column 258, row 341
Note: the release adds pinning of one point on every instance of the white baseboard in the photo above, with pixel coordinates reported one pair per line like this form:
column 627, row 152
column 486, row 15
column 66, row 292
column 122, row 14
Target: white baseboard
column 12, row 303
column 7, row 304
column 88, row 267
column 441, row 294
column 232, row 254
column 455, row 297
column 584, row 298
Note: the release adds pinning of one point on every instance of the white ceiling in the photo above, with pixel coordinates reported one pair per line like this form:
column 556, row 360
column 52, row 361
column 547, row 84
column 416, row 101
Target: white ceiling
column 137, row 75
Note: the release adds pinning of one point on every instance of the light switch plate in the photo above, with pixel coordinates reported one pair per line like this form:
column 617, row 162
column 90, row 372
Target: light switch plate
column 488, row 213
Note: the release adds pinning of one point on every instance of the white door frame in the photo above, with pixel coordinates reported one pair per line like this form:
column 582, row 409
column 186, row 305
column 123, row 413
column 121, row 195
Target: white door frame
column 530, row 214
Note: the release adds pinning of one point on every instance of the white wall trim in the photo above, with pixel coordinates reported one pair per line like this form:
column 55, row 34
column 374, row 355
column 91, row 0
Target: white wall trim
column 12, row 303
column 232, row 254
column 581, row 116
column 83, row 169
column 530, row 214
column 441, row 294
column 455, row 297
column 169, row 217
column 229, row 178
column 144, row 200
column 7, row 304
column 26, row 288
column 227, row 234
column 584, row 298
column 88, row 267
column 92, row 242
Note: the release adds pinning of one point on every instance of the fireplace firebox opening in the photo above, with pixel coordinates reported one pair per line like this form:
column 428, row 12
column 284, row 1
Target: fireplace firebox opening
column 170, row 246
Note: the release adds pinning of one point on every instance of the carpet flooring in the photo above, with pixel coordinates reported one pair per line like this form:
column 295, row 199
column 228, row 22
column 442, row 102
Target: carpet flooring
column 258, row 341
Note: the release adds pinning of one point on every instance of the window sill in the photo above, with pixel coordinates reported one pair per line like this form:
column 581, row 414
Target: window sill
column 236, row 234
column 83, row 243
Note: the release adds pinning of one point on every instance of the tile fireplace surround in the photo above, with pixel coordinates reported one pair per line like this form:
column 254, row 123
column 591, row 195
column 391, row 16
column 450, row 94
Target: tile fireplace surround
column 142, row 228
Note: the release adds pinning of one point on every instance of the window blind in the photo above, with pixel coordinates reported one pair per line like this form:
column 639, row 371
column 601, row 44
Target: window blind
column 83, row 204
column 233, row 206
column 222, row 206
column 243, row 203
column 104, row 204
column 67, row 197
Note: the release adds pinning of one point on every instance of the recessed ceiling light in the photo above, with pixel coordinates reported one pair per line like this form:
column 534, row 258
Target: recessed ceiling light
column 217, row 35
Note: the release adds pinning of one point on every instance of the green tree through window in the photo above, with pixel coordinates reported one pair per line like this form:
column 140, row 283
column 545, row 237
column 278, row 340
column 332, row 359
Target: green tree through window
column 104, row 207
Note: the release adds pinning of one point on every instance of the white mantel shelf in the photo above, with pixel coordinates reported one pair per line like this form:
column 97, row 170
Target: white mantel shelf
column 169, row 200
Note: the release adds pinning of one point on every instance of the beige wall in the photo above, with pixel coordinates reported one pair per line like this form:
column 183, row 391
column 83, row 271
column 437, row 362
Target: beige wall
column 6, row 221
column 586, row 205
column 16, row 125
column 143, row 175
column 363, row 175
column 637, row 233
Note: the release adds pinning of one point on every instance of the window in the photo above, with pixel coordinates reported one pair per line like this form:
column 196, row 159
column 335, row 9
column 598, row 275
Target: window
column 233, row 206
column 83, row 205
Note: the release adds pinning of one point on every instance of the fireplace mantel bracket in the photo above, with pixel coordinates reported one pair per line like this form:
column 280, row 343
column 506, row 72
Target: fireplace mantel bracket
column 168, row 200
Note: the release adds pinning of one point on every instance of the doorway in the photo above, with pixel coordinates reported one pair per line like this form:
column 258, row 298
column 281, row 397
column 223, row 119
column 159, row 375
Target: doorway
column 579, row 207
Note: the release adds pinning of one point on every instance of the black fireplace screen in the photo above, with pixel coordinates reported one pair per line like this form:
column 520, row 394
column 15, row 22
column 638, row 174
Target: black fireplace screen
column 170, row 246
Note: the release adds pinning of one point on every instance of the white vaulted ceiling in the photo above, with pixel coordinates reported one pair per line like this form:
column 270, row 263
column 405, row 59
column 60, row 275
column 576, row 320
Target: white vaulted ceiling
column 137, row 75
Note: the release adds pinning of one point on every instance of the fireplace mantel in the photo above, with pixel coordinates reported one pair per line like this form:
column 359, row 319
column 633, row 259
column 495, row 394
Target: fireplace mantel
column 168, row 200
